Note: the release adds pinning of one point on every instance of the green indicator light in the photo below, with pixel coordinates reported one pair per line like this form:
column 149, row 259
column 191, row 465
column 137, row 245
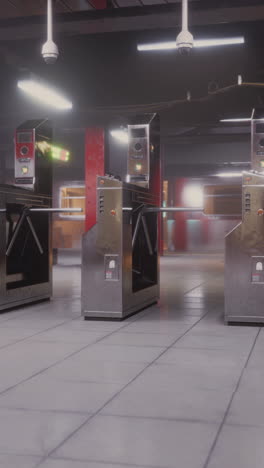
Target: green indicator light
column 60, row 154
column 55, row 152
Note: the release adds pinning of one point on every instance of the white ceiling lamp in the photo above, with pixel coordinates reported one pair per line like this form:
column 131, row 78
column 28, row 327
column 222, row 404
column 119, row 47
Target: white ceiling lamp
column 229, row 174
column 238, row 120
column 121, row 135
column 44, row 94
column 50, row 51
column 185, row 41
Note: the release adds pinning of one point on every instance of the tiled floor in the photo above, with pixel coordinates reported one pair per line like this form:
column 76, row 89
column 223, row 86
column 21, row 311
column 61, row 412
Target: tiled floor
column 171, row 387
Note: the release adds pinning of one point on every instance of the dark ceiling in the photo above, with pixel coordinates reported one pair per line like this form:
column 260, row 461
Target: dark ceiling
column 99, row 16
column 101, row 70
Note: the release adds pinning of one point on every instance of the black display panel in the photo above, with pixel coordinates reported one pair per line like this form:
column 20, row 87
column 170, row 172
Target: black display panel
column 24, row 137
column 138, row 132
column 260, row 128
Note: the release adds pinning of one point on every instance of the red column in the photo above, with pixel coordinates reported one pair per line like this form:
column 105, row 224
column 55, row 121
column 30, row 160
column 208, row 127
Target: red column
column 180, row 230
column 99, row 4
column 205, row 229
column 156, row 183
column 94, row 166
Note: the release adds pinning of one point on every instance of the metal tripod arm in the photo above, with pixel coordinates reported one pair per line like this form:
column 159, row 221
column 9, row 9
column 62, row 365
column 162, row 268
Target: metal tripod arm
column 25, row 215
column 17, row 229
column 172, row 209
column 56, row 210
column 146, row 232
column 34, row 234
column 142, row 219
column 134, row 238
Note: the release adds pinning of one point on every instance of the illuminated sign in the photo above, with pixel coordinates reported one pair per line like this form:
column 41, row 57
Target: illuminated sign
column 56, row 152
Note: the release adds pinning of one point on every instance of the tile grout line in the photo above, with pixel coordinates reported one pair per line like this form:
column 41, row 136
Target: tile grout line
column 118, row 393
column 103, row 462
column 207, row 461
column 136, row 318
column 69, row 355
column 34, row 334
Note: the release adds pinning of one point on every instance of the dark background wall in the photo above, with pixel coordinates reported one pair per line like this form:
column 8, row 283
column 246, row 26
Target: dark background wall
column 107, row 78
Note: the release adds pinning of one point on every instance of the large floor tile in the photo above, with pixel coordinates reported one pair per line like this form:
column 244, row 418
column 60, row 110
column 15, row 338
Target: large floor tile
column 247, row 408
column 22, row 360
column 142, row 442
column 100, row 352
column 241, row 344
column 18, row 461
column 162, row 401
column 139, row 339
column 53, row 394
column 203, row 357
column 93, row 325
column 63, row 463
column 63, row 335
column 173, row 329
column 239, row 447
column 11, row 335
column 33, row 432
column 34, row 323
column 78, row 368
column 183, row 377
column 252, row 380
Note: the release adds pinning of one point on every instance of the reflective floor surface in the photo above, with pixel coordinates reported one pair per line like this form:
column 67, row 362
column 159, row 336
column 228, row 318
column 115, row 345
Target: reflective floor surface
column 171, row 387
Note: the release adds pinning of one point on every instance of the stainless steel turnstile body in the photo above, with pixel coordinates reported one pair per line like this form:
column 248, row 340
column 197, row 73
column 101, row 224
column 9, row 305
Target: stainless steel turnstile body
column 120, row 263
column 25, row 247
column 244, row 257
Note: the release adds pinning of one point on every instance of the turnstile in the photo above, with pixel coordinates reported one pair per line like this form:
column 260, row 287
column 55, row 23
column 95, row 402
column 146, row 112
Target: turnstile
column 244, row 255
column 25, row 222
column 25, row 247
column 120, row 263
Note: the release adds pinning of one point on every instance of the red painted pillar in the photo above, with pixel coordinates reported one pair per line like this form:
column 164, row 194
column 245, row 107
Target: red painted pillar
column 156, row 189
column 99, row 4
column 205, row 229
column 94, row 166
column 180, row 230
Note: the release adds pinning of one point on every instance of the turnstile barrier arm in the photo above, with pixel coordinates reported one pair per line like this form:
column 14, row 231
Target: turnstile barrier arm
column 172, row 209
column 25, row 215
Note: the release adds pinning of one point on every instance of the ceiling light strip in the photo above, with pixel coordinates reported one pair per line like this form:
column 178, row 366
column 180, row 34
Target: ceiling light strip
column 44, row 94
column 199, row 43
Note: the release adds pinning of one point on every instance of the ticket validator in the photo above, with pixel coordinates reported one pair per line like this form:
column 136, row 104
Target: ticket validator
column 25, row 237
column 120, row 257
column 244, row 256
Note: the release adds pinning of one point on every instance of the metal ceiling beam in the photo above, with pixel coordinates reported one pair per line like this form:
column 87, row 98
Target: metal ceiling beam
column 133, row 19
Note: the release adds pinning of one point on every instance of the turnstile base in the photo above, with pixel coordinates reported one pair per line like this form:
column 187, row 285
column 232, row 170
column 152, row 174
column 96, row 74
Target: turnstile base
column 116, row 316
column 246, row 320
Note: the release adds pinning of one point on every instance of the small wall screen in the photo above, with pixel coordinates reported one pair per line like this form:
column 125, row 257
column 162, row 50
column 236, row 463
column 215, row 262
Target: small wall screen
column 138, row 132
column 24, row 137
column 260, row 128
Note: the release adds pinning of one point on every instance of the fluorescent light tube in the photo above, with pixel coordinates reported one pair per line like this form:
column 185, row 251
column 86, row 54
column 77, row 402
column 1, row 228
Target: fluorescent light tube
column 44, row 94
column 229, row 174
column 237, row 120
column 157, row 46
column 120, row 135
column 170, row 45
column 219, row 42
